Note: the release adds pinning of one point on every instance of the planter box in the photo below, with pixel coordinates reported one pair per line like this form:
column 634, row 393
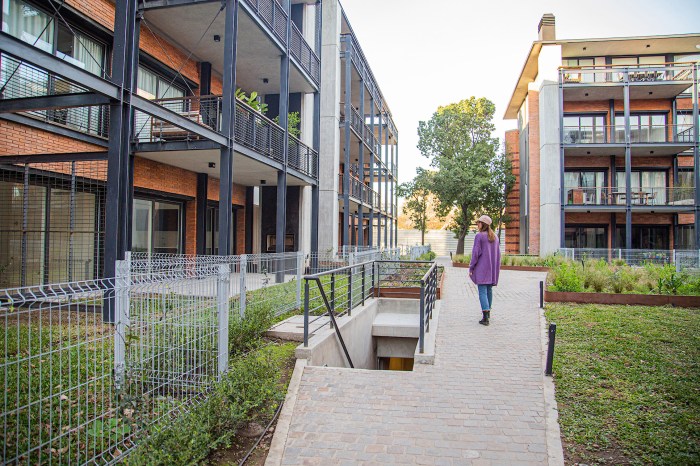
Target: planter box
column 411, row 292
column 508, row 267
column 525, row 268
column 615, row 298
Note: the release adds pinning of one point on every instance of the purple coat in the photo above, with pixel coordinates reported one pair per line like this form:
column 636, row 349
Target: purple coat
column 486, row 260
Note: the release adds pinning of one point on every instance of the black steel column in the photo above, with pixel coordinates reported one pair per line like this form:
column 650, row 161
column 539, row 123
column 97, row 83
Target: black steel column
column 379, row 180
column 228, row 115
column 396, row 202
column 628, row 164
column 348, row 119
column 392, row 240
column 201, row 206
column 361, row 168
column 118, row 217
column 386, row 182
column 314, row 187
column 249, row 194
column 696, row 156
column 281, row 218
column 370, row 232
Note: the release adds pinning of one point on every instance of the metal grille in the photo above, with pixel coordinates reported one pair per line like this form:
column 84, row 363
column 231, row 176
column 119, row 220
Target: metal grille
column 21, row 80
column 306, row 57
column 272, row 14
column 682, row 258
column 259, row 133
column 205, row 111
column 51, row 222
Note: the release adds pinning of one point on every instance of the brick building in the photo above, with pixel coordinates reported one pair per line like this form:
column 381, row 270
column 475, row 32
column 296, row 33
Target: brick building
column 133, row 141
column 606, row 144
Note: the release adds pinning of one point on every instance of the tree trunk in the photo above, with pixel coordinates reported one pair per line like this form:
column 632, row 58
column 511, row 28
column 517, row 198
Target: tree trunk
column 422, row 234
column 460, row 241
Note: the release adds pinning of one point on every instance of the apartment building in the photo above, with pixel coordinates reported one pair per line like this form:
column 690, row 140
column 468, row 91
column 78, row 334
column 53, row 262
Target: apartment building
column 134, row 140
column 606, row 144
column 359, row 144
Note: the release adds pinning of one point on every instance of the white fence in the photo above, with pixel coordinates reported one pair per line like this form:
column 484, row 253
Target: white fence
column 682, row 258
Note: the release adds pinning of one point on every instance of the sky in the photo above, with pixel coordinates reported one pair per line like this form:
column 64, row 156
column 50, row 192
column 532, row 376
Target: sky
column 429, row 53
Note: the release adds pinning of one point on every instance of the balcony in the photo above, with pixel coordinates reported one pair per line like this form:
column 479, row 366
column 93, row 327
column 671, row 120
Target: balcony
column 610, row 139
column 644, row 197
column 359, row 191
column 590, row 83
column 273, row 15
column 253, row 130
column 307, row 58
column 363, row 132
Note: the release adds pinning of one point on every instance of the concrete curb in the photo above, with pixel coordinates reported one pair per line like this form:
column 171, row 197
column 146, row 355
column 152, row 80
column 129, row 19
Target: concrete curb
column 279, row 439
column 555, row 450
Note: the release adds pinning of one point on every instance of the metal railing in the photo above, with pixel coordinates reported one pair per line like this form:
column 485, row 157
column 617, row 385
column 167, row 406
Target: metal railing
column 682, row 196
column 19, row 79
column 670, row 72
column 413, row 252
column 91, row 368
column 682, row 258
column 603, row 134
column 306, row 57
column 349, row 45
column 273, row 15
column 359, row 191
column 252, row 130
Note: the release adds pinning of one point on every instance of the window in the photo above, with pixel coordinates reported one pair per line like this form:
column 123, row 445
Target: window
column 212, row 230
column 584, row 64
column 34, row 26
column 585, row 187
column 643, row 74
column 645, row 236
column 684, row 127
column 647, row 187
column 643, row 128
column 157, row 227
column 595, row 237
column 584, row 129
column 684, row 237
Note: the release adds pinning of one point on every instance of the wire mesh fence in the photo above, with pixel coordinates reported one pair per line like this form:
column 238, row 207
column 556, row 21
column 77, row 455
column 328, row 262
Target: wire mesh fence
column 683, row 259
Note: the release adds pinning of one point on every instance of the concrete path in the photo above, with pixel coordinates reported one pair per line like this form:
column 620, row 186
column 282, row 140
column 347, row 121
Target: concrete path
column 484, row 402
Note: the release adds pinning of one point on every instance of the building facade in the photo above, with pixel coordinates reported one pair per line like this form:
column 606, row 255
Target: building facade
column 359, row 144
column 134, row 140
column 607, row 144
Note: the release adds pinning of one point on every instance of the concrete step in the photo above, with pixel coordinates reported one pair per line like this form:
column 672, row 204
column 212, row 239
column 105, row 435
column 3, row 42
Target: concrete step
column 389, row 324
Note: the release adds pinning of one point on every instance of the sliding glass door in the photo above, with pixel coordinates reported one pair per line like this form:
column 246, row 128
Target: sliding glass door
column 157, row 227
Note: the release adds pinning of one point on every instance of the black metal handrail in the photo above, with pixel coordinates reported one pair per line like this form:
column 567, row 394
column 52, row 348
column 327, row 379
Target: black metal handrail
column 273, row 15
column 306, row 57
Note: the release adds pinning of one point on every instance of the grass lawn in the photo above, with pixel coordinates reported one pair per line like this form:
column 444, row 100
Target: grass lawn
column 628, row 383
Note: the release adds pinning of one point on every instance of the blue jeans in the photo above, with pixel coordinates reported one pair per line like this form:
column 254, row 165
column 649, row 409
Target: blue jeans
column 485, row 296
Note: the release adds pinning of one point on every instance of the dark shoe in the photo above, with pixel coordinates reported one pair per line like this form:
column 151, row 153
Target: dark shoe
column 485, row 319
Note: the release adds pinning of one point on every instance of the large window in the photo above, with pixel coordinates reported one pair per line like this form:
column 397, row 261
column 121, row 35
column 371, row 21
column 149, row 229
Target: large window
column 684, row 237
column 684, row 127
column 584, row 64
column 644, row 236
column 51, row 226
column 643, row 128
column 157, row 227
column 585, row 187
column 212, row 230
column 595, row 237
column 647, row 187
column 33, row 25
column 584, row 129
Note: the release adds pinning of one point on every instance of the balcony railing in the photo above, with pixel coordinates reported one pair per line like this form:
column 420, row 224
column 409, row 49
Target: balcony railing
column 306, row 57
column 671, row 72
column 273, row 15
column 366, row 135
column 604, row 134
column 252, row 130
column 349, row 44
column 359, row 191
column 640, row 196
column 21, row 80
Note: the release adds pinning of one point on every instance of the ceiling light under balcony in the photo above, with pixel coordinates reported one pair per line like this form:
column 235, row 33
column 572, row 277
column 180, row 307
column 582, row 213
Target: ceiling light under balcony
column 217, row 38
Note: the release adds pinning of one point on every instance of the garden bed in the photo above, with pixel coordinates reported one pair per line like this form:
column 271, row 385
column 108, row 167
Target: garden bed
column 461, row 265
column 525, row 268
column 621, row 298
column 410, row 292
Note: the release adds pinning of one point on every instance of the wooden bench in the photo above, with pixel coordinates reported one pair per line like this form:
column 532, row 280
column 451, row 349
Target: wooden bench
column 166, row 130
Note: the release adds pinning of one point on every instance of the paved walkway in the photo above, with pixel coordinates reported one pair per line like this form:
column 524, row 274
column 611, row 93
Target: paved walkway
column 482, row 403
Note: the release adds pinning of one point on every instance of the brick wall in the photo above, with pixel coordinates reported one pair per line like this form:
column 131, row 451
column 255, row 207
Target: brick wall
column 534, row 181
column 513, row 200
column 24, row 140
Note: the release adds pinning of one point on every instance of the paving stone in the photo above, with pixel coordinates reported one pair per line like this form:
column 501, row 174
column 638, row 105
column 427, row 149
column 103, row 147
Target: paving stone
column 481, row 403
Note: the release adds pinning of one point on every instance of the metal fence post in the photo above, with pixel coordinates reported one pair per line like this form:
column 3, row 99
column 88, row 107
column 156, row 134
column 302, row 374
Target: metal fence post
column 541, row 294
column 243, row 267
column 306, row 313
column 222, row 293
column 350, row 291
column 550, row 348
column 363, row 284
column 121, row 319
column 421, row 326
column 300, row 272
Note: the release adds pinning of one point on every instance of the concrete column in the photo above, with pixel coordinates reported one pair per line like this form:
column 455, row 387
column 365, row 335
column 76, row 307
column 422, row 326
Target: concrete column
column 329, row 153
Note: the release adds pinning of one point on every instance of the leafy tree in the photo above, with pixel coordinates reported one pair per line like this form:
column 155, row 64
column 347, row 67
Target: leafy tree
column 469, row 176
column 417, row 195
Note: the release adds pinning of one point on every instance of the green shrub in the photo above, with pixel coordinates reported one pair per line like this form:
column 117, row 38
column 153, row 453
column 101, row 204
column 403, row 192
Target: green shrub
column 670, row 281
column 244, row 333
column 622, row 279
column 428, row 256
column 596, row 276
column 567, row 277
column 462, row 259
column 250, row 389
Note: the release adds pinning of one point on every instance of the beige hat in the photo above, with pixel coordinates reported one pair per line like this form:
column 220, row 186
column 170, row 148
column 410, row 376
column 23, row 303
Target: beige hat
column 485, row 219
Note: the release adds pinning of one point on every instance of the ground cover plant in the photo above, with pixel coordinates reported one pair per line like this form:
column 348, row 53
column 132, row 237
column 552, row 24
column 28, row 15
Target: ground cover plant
column 627, row 381
column 600, row 276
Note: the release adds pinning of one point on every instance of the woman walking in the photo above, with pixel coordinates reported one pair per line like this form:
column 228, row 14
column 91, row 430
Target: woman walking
column 485, row 265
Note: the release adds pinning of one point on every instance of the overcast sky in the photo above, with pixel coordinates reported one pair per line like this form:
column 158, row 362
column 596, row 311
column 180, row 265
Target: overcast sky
column 434, row 52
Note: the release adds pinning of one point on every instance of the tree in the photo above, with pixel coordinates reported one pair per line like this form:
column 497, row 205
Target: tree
column 417, row 198
column 469, row 176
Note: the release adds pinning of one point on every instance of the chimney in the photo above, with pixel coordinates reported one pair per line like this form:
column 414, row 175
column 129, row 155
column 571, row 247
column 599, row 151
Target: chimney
column 546, row 28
